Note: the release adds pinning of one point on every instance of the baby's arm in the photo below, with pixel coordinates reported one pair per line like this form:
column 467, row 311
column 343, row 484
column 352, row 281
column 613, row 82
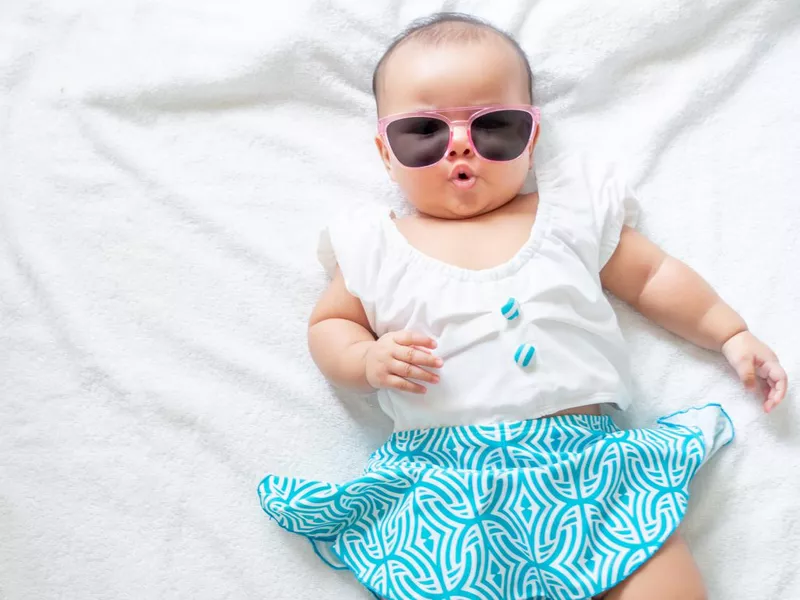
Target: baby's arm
column 347, row 353
column 671, row 294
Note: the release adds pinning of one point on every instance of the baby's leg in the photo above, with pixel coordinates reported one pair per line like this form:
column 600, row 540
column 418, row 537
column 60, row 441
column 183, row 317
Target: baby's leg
column 671, row 574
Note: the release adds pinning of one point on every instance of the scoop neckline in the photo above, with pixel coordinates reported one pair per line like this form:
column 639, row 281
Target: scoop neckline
column 501, row 271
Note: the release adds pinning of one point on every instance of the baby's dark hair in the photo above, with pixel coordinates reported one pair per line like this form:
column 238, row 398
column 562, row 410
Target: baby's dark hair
column 449, row 27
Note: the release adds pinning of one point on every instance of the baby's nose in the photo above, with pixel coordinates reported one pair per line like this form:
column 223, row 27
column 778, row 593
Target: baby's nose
column 460, row 144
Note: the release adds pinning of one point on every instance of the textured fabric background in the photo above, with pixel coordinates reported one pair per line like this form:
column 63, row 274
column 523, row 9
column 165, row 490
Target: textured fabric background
column 164, row 168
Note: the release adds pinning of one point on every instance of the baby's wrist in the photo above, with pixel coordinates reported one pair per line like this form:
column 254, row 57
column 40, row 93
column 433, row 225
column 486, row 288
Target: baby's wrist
column 724, row 324
column 738, row 330
column 733, row 336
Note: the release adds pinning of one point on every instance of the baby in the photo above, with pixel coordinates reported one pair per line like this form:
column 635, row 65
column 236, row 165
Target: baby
column 481, row 320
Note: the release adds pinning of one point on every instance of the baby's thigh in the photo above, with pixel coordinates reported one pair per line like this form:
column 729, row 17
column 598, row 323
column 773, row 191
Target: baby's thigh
column 671, row 574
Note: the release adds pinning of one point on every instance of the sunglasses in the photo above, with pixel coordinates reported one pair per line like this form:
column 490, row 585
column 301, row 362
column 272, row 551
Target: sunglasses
column 496, row 133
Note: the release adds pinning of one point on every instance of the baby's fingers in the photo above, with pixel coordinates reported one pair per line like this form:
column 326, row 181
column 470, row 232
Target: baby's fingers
column 398, row 383
column 777, row 380
column 408, row 371
column 416, row 356
column 409, row 338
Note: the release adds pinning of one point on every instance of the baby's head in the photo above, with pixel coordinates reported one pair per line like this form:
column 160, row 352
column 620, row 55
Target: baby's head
column 455, row 61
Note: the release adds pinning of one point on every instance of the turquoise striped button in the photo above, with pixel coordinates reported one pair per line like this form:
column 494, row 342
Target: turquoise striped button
column 524, row 355
column 510, row 309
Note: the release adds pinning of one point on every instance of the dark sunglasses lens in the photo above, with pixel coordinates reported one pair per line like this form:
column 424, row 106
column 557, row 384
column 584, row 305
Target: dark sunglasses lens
column 502, row 134
column 418, row 141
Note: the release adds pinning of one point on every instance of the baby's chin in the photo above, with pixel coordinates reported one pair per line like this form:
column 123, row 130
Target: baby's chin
column 459, row 206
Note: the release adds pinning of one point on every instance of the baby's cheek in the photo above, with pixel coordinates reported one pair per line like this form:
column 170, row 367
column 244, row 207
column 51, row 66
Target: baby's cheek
column 508, row 178
column 420, row 185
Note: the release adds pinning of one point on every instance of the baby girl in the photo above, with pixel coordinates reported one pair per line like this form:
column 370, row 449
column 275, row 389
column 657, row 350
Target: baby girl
column 480, row 319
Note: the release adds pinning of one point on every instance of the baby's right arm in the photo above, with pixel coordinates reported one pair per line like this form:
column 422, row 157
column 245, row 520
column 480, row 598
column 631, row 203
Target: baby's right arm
column 347, row 353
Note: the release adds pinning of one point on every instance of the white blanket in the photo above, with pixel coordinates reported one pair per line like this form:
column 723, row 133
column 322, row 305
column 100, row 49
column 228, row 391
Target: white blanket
column 164, row 168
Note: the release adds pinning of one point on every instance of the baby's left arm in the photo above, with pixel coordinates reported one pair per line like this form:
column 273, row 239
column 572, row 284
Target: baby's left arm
column 672, row 295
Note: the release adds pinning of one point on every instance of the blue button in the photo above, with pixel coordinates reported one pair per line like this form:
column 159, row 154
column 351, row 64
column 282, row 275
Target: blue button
column 524, row 355
column 510, row 309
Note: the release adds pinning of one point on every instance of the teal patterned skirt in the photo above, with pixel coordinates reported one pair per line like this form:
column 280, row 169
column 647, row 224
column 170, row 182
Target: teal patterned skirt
column 557, row 508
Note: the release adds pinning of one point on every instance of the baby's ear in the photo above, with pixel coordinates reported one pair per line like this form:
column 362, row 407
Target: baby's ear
column 383, row 150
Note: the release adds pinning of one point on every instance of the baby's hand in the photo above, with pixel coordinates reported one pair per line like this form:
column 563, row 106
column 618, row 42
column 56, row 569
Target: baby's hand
column 397, row 357
column 753, row 360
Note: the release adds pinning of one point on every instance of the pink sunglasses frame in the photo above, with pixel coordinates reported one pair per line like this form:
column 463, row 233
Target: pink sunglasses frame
column 384, row 122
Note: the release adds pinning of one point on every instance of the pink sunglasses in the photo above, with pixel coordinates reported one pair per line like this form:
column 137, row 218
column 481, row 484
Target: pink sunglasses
column 496, row 133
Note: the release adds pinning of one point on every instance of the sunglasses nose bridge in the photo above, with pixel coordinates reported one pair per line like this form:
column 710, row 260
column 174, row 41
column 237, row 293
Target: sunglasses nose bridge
column 460, row 126
column 459, row 138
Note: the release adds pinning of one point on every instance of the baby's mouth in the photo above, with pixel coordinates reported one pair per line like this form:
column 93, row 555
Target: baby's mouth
column 462, row 177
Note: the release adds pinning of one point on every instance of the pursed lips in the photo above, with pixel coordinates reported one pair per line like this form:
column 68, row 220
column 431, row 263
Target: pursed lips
column 463, row 177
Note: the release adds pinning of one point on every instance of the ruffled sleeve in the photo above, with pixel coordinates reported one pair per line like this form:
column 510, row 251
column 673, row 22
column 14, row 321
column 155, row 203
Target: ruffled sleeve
column 355, row 243
column 593, row 202
column 616, row 205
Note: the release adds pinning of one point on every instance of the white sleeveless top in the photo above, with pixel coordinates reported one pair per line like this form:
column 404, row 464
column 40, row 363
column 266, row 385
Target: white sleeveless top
column 580, row 356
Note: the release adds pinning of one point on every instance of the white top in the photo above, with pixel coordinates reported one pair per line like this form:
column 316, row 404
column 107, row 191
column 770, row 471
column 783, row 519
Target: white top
column 580, row 355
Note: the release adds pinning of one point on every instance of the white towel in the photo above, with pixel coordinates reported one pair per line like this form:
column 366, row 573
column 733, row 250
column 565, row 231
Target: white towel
column 165, row 166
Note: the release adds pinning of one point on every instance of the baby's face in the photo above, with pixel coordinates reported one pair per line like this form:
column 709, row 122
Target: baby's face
column 424, row 77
